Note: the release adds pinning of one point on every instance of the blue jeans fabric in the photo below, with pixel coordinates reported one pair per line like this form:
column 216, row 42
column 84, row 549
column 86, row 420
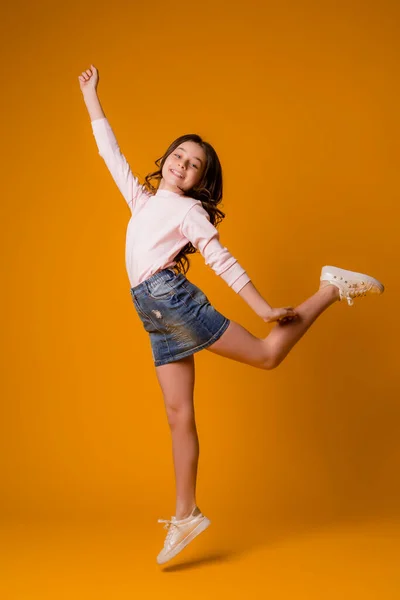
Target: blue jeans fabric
column 177, row 315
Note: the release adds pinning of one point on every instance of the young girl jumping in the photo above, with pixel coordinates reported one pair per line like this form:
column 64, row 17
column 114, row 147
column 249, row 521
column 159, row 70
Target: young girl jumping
column 169, row 220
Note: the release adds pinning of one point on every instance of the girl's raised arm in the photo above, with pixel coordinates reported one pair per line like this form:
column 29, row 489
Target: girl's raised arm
column 88, row 81
column 107, row 144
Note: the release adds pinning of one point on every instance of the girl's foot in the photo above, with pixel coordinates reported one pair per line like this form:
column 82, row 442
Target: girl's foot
column 350, row 284
column 181, row 533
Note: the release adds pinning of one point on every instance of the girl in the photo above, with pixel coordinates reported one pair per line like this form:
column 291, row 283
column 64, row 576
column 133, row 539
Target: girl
column 170, row 220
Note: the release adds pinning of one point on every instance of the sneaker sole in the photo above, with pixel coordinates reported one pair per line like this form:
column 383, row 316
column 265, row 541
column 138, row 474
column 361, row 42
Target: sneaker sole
column 199, row 529
column 330, row 272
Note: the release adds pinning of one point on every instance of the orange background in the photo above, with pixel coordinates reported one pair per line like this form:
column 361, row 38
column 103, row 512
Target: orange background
column 301, row 102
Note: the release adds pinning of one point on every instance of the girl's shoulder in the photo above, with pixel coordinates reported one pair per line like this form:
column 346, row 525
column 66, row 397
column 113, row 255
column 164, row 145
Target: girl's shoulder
column 190, row 203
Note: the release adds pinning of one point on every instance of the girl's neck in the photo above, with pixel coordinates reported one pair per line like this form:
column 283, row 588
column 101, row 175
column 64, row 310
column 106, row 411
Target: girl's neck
column 165, row 187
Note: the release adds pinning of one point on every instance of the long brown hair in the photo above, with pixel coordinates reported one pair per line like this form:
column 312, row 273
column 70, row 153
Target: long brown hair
column 208, row 190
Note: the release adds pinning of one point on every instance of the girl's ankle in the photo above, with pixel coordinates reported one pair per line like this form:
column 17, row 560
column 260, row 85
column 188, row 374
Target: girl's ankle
column 184, row 514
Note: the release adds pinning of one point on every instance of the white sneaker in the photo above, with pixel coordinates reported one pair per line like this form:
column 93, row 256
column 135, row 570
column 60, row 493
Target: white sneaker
column 181, row 533
column 351, row 284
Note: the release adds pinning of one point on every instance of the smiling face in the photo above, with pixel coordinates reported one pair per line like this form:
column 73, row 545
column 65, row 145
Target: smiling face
column 183, row 168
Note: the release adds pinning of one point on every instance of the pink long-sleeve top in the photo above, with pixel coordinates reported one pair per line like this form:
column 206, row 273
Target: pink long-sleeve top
column 161, row 224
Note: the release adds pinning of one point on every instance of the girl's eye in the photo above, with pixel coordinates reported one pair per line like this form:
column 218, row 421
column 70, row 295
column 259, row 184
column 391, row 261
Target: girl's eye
column 178, row 156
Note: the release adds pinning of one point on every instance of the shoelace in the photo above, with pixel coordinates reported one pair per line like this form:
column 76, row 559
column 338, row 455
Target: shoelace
column 168, row 525
column 167, row 522
column 360, row 289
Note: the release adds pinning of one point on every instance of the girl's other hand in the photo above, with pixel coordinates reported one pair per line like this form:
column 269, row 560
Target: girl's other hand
column 89, row 79
column 282, row 315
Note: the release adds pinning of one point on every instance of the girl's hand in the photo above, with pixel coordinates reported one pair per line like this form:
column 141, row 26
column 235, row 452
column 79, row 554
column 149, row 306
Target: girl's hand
column 89, row 79
column 282, row 315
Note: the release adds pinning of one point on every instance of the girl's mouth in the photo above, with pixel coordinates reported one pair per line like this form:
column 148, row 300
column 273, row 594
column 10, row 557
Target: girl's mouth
column 176, row 174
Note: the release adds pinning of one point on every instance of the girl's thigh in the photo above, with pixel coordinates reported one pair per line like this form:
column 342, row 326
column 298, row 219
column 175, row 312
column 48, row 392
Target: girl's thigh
column 239, row 344
column 176, row 380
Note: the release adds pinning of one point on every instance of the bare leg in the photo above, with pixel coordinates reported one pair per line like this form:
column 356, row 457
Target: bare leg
column 239, row 344
column 177, row 383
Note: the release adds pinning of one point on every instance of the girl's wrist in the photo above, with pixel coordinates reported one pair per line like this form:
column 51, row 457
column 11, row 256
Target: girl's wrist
column 93, row 105
column 254, row 299
column 89, row 93
column 265, row 312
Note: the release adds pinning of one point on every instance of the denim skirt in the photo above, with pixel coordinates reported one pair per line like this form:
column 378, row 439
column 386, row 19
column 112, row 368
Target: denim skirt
column 177, row 315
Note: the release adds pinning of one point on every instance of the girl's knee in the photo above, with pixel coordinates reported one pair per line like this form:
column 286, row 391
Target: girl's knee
column 271, row 361
column 179, row 416
column 267, row 365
